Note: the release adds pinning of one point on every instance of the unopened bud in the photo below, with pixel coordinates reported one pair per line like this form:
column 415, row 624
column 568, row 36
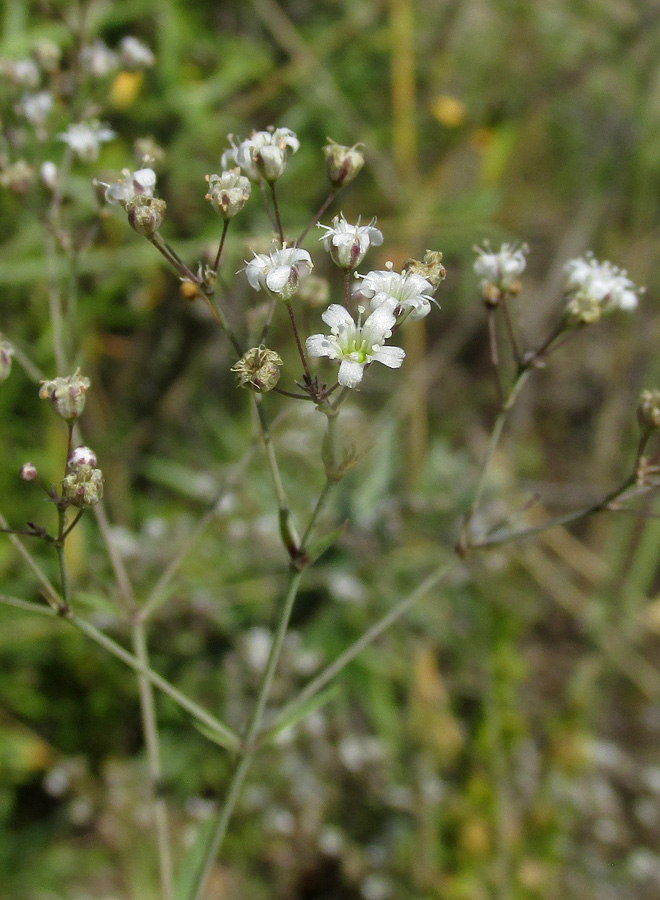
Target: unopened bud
column 259, row 367
column 48, row 175
column 582, row 309
column 6, row 353
column 342, row 164
column 431, row 268
column 228, row 193
column 81, row 456
column 145, row 214
column 29, row 471
column 648, row 410
column 270, row 161
column 66, row 395
column 83, row 487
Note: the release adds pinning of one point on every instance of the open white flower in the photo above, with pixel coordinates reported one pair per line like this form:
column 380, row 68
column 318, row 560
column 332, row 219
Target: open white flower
column 347, row 244
column 356, row 344
column 36, row 107
column 135, row 54
column 601, row 282
column 130, row 185
column 85, row 138
column 279, row 272
column 406, row 294
column 502, row 268
column 263, row 155
column 98, row 60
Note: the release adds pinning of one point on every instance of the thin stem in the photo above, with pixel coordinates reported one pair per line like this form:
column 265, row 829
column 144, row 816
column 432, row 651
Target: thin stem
column 269, row 319
column 301, row 352
column 288, row 531
column 295, row 396
column 151, row 740
column 269, row 212
column 494, row 355
column 220, row 830
column 316, row 218
column 317, row 684
column 276, row 208
column 347, row 287
column 225, row 228
column 511, row 332
column 67, row 531
column 320, row 503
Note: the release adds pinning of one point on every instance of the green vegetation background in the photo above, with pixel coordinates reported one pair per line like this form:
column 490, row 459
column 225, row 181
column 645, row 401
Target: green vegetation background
column 507, row 732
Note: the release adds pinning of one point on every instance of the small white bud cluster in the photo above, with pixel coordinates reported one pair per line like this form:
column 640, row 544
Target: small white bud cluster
column 66, row 395
column 500, row 272
column 594, row 289
column 263, row 155
column 82, row 485
column 228, row 193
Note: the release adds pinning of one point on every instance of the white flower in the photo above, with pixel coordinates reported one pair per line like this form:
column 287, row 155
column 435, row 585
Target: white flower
column 602, row 282
column 135, row 54
column 280, row 271
column 130, row 185
column 36, row 107
column 500, row 269
column 347, row 244
column 406, row 293
column 356, row 345
column 48, row 174
column 98, row 60
column 85, row 138
column 24, row 73
column 263, row 155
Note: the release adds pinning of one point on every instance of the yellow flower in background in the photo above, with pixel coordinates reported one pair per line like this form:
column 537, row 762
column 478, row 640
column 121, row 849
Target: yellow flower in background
column 125, row 88
column 449, row 111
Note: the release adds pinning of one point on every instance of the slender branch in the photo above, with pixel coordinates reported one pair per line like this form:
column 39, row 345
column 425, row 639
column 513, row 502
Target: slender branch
column 316, row 218
column 511, row 332
column 301, row 352
column 320, row 503
column 278, row 221
column 317, row 684
column 225, row 228
column 494, row 355
column 220, row 830
column 269, row 319
column 152, row 744
column 288, row 531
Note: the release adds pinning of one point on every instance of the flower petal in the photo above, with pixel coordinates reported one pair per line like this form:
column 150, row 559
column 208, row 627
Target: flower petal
column 320, row 345
column 337, row 317
column 350, row 373
column 392, row 357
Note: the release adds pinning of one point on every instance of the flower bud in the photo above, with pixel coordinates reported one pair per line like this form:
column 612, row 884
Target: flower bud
column 6, row 353
column 270, row 162
column 81, row 456
column 83, row 487
column 342, row 164
column 431, row 268
column 145, row 214
column 228, row 193
column 29, row 471
column 259, row 367
column 648, row 410
column 67, row 395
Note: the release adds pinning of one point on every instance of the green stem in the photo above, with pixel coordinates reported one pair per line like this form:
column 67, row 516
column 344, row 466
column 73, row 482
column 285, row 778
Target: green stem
column 326, row 203
column 276, row 208
column 220, row 830
column 225, row 228
column 288, row 531
column 327, row 675
column 320, row 503
column 151, row 740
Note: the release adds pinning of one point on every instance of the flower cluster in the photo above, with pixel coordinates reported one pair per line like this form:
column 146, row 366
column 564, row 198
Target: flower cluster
column 279, row 272
column 596, row 288
column 407, row 294
column 66, row 395
column 263, row 155
column 500, row 271
column 347, row 244
column 82, row 485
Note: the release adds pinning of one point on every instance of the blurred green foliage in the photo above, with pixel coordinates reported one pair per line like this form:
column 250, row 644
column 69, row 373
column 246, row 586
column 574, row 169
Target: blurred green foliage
column 503, row 741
